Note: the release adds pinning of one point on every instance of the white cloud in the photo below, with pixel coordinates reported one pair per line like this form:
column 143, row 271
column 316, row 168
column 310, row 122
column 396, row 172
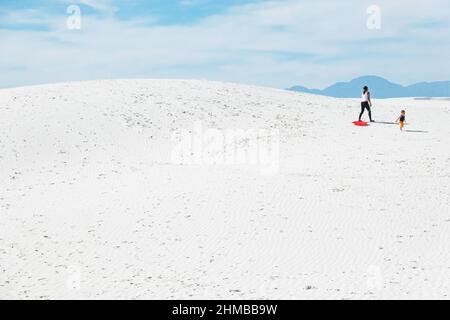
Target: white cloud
column 256, row 43
column 100, row 5
column 192, row 2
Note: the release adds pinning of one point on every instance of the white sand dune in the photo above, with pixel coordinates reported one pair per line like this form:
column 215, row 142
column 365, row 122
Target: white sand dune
column 92, row 206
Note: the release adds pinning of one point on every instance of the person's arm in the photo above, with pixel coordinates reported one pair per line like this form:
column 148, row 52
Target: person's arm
column 370, row 100
column 398, row 119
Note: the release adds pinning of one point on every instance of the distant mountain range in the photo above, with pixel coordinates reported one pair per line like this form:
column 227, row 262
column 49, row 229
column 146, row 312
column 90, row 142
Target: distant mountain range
column 381, row 88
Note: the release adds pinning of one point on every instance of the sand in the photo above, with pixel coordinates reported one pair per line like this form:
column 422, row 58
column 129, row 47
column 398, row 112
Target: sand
column 93, row 204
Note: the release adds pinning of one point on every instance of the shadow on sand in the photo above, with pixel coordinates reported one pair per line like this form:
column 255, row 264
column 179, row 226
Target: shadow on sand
column 416, row 131
column 385, row 122
column 396, row 123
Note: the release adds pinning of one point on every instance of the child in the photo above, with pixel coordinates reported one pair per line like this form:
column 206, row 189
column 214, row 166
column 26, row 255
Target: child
column 402, row 119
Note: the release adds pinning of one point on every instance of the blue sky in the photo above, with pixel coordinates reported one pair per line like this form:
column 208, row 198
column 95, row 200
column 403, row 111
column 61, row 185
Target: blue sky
column 273, row 43
column 167, row 11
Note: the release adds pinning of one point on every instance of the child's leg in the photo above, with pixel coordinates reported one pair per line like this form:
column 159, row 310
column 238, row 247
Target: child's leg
column 402, row 124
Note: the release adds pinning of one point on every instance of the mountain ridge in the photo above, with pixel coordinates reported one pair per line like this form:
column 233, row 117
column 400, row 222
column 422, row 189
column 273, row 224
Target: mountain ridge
column 380, row 88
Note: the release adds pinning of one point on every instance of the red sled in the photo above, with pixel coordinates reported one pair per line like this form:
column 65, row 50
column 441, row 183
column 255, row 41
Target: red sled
column 360, row 123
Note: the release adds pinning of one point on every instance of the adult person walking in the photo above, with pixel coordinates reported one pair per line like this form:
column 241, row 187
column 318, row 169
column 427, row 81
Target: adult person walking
column 366, row 103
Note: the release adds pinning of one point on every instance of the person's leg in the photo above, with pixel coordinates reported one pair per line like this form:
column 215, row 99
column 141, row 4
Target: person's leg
column 362, row 110
column 370, row 112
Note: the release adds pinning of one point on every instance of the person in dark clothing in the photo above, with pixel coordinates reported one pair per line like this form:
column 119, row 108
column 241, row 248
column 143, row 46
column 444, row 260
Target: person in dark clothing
column 366, row 103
